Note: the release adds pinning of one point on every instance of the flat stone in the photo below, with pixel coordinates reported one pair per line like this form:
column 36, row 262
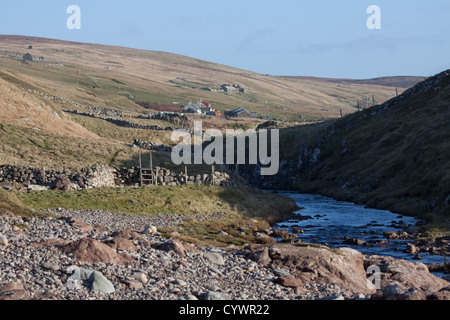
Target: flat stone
column 282, row 273
column 100, row 283
column 289, row 282
column 213, row 295
column 334, row 298
column 141, row 277
column 214, row 258
column 53, row 266
column 13, row 292
column 6, row 187
column 136, row 285
column 3, row 240
column 180, row 283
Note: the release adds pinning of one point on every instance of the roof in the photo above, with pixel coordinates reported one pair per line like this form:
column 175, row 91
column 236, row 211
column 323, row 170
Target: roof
column 239, row 110
column 198, row 107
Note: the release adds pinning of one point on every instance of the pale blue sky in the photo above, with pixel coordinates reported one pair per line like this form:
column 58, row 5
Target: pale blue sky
column 325, row 38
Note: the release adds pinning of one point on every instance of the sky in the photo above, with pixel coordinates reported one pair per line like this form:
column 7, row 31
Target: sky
column 322, row 38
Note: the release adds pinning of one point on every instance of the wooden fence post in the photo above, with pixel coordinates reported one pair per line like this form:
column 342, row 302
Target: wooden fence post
column 151, row 167
column 140, row 169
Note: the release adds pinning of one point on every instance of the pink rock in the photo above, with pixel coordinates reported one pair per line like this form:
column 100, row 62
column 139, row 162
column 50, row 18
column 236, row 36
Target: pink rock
column 93, row 251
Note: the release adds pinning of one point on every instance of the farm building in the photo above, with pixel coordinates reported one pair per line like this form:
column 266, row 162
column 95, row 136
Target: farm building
column 27, row 57
column 240, row 113
column 200, row 107
column 232, row 88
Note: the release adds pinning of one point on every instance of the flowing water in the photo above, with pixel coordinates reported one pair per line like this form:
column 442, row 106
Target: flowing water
column 331, row 221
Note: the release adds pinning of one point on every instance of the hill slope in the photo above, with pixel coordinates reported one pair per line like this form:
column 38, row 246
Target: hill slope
column 404, row 82
column 34, row 130
column 114, row 76
column 393, row 156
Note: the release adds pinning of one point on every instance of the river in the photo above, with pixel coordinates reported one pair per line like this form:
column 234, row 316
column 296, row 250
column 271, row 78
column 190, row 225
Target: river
column 333, row 220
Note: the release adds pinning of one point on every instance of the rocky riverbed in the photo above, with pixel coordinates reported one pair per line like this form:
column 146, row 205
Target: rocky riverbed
column 95, row 255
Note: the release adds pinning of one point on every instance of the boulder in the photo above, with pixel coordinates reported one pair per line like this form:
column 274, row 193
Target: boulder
column 122, row 244
column 355, row 242
column 94, row 251
column 443, row 294
column 100, row 283
column 390, row 235
column 6, row 214
column 410, row 248
column 406, row 276
column 95, row 280
column 284, row 234
column 80, row 224
column 134, row 284
column 289, row 281
column 150, row 230
column 343, row 267
column 61, row 182
column 13, row 292
column 141, row 277
column 124, row 234
column 394, row 292
column 172, row 245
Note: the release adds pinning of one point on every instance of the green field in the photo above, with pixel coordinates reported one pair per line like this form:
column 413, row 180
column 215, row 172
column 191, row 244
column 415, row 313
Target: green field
column 225, row 209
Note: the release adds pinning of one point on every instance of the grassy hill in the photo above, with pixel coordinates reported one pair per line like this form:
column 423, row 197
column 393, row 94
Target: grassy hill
column 393, row 156
column 110, row 76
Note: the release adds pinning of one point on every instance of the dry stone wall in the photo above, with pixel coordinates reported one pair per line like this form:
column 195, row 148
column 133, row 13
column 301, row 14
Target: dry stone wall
column 119, row 122
column 151, row 146
column 105, row 176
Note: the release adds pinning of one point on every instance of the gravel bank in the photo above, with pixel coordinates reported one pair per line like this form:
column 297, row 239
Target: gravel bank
column 33, row 265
